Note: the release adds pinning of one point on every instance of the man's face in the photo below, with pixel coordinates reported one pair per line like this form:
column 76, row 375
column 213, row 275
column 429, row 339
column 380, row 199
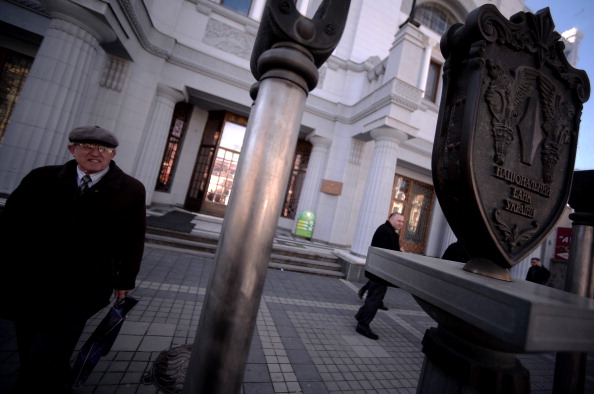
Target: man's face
column 534, row 262
column 91, row 158
column 397, row 221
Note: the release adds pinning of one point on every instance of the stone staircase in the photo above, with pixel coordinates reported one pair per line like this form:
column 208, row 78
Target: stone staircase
column 319, row 262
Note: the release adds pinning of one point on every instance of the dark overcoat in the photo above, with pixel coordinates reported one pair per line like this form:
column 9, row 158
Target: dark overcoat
column 385, row 237
column 64, row 248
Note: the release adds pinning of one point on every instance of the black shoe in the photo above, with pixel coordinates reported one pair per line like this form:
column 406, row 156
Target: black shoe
column 383, row 307
column 361, row 293
column 366, row 332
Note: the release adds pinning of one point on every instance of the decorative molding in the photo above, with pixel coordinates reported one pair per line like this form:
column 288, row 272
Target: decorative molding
column 422, row 147
column 222, row 36
column 356, row 151
column 394, row 92
column 31, row 6
column 377, row 71
column 210, row 66
column 179, row 54
column 138, row 21
column 115, row 72
column 229, row 39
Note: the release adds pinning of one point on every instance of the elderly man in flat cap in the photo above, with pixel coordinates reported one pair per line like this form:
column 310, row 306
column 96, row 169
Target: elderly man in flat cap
column 73, row 235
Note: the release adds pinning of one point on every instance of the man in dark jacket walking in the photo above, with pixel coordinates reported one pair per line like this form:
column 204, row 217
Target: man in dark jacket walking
column 386, row 236
column 73, row 234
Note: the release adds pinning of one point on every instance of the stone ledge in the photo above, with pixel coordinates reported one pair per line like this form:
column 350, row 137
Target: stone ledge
column 353, row 266
column 526, row 316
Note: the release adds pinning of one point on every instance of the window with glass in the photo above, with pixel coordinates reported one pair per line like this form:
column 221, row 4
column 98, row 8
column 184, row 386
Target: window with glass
column 225, row 164
column 414, row 200
column 434, row 17
column 432, row 85
column 216, row 163
column 179, row 124
column 216, row 167
column 302, row 154
column 241, row 6
column 14, row 68
column 204, row 161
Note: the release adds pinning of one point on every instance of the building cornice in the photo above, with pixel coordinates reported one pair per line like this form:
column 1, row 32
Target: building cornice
column 31, row 6
column 224, row 37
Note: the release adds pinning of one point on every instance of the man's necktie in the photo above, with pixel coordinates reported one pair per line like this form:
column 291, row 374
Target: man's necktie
column 85, row 184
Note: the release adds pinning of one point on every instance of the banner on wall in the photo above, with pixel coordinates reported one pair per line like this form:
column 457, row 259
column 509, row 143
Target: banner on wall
column 563, row 243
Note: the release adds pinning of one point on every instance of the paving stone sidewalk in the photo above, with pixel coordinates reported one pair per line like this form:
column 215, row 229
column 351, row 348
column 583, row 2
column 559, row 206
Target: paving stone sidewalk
column 304, row 340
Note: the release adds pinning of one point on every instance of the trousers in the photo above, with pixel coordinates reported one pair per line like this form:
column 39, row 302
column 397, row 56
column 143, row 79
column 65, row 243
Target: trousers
column 374, row 299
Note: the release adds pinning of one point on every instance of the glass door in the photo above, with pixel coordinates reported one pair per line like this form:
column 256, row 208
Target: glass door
column 225, row 164
column 216, row 164
column 414, row 200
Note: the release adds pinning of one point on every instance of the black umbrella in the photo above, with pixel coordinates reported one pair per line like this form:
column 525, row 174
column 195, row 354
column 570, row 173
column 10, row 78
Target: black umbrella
column 102, row 339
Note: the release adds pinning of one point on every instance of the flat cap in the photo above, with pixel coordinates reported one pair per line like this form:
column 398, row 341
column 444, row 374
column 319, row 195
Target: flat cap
column 95, row 134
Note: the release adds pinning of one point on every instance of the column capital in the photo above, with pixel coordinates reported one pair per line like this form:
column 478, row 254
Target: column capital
column 388, row 134
column 174, row 94
column 319, row 141
column 81, row 17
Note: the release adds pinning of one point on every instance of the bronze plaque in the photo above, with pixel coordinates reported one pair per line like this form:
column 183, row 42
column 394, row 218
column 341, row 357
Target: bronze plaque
column 331, row 187
column 507, row 132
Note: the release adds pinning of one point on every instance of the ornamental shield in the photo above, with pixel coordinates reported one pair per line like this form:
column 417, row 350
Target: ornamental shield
column 507, row 134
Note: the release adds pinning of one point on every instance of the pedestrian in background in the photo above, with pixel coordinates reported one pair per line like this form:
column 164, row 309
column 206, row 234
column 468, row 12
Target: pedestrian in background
column 537, row 273
column 386, row 236
column 456, row 252
column 73, row 235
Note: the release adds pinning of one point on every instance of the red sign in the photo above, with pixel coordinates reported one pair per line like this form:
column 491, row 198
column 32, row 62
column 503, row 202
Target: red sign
column 563, row 243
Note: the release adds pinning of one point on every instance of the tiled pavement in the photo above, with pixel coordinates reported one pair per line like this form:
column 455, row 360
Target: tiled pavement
column 304, row 340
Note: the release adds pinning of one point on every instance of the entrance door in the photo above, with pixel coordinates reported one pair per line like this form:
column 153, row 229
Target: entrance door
column 216, row 164
column 414, row 200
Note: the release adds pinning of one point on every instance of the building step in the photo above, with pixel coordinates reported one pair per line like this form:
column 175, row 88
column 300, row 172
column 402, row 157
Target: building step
column 203, row 238
column 306, row 270
column 283, row 258
column 305, row 262
column 181, row 243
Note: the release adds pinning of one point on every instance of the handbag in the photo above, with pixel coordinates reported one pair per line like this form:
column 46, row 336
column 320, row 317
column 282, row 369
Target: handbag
column 101, row 340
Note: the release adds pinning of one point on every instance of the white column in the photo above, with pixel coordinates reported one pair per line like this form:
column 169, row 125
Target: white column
column 302, row 6
column 426, row 63
column 308, row 199
column 257, row 9
column 155, row 138
column 448, row 237
column 378, row 187
column 50, row 102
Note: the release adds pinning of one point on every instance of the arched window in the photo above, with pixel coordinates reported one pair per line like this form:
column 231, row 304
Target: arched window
column 434, row 17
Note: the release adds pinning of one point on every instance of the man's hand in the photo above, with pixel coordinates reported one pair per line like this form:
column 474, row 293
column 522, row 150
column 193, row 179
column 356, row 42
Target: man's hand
column 119, row 294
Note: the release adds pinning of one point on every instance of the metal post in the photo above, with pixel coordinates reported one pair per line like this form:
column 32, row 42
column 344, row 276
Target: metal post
column 579, row 272
column 286, row 67
column 231, row 305
column 570, row 368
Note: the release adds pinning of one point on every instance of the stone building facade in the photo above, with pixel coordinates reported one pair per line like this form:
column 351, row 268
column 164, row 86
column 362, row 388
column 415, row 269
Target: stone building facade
column 172, row 78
